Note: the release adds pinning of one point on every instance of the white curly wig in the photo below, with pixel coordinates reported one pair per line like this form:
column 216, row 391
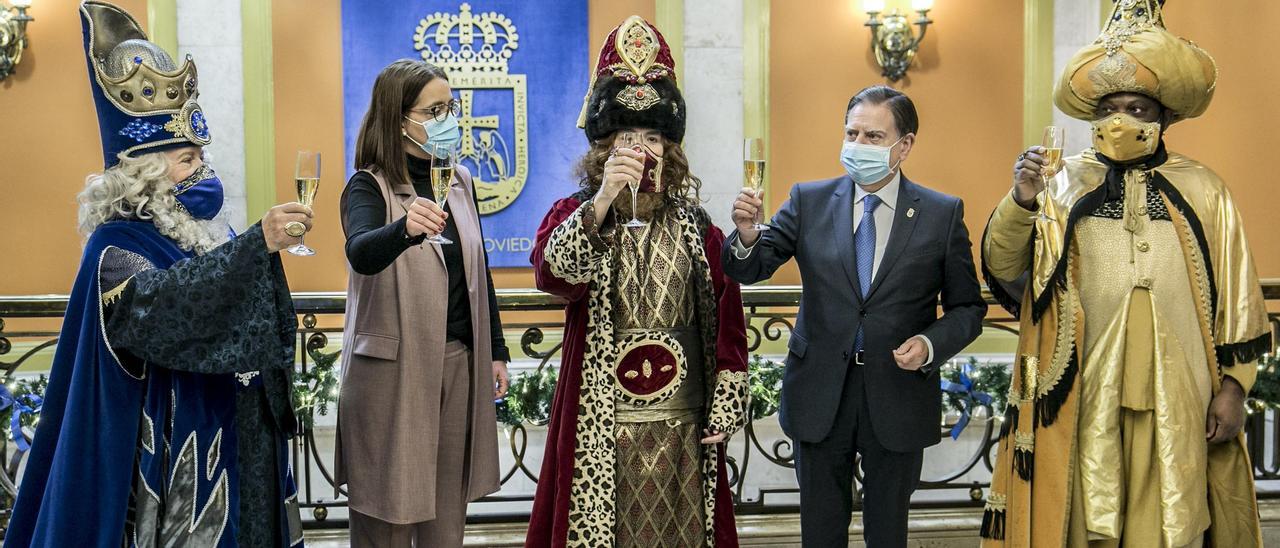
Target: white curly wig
column 140, row 189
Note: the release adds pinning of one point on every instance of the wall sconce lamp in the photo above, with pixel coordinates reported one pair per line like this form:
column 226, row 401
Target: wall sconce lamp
column 13, row 34
column 892, row 39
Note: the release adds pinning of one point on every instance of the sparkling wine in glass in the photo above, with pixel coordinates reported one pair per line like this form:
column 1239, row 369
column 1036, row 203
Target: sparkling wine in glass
column 307, row 177
column 631, row 140
column 1052, row 143
column 753, row 173
column 442, row 165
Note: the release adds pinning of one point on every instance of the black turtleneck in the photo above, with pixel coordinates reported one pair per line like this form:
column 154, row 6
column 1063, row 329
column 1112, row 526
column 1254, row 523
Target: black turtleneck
column 372, row 246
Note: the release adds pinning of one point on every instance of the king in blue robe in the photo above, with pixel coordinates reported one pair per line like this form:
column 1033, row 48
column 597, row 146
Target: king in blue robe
column 167, row 413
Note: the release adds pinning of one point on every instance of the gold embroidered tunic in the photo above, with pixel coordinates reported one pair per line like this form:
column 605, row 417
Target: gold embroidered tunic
column 658, row 472
column 1141, row 382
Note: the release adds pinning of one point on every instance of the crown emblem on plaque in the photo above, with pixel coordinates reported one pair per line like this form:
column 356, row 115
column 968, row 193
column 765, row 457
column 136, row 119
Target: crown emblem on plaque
column 466, row 41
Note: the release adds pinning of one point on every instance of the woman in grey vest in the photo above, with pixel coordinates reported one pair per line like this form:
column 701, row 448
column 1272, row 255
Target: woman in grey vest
column 423, row 353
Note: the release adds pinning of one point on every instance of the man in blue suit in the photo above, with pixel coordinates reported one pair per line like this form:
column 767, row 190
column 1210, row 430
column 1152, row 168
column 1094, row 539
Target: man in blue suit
column 876, row 253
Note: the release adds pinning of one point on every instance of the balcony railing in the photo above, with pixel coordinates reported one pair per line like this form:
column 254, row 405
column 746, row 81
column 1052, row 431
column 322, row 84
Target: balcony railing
column 957, row 472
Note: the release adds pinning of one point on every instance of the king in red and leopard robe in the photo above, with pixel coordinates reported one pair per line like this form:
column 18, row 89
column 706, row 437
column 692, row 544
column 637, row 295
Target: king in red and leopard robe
column 624, row 464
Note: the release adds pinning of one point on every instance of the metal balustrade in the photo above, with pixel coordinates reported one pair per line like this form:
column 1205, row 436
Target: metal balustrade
column 760, row 449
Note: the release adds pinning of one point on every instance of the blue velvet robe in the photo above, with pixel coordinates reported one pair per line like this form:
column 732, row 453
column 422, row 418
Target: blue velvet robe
column 168, row 367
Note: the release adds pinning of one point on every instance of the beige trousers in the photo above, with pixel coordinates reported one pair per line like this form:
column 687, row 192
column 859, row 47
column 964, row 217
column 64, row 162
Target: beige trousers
column 446, row 531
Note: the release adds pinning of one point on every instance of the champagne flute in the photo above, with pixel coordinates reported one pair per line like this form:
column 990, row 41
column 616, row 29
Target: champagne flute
column 307, row 177
column 1052, row 143
column 630, row 140
column 442, row 164
column 753, row 173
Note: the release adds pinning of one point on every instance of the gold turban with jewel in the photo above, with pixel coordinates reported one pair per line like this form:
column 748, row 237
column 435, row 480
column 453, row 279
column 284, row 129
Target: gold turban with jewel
column 1135, row 53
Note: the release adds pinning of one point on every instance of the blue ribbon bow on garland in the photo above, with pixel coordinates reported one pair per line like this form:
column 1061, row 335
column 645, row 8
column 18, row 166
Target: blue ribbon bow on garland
column 965, row 389
column 19, row 406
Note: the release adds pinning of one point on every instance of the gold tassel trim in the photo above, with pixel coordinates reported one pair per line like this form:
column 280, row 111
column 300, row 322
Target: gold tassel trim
column 993, row 518
column 1010, row 419
column 1024, row 454
column 1050, row 403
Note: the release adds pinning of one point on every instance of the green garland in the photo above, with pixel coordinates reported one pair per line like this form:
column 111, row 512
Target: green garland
column 528, row 398
column 316, row 389
column 530, row 394
column 1266, row 388
column 23, row 397
column 988, row 377
column 765, row 381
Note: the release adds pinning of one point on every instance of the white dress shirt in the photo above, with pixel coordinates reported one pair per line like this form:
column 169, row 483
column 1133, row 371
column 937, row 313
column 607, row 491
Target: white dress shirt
column 888, row 195
column 884, row 213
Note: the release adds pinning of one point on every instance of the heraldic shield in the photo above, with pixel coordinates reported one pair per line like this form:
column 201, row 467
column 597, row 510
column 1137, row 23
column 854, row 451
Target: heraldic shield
column 475, row 49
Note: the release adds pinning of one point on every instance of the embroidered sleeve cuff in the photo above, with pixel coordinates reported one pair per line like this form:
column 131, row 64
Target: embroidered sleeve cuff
column 576, row 248
column 728, row 411
column 1244, row 373
column 591, row 225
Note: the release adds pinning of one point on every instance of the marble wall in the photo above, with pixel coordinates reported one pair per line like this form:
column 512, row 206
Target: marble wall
column 209, row 31
column 713, row 32
column 1075, row 24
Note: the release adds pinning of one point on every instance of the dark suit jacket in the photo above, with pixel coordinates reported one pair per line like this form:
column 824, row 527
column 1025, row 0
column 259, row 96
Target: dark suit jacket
column 928, row 256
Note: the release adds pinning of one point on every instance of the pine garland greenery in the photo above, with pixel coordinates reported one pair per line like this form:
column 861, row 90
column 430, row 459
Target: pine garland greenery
column 765, row 379
column 528, row 398
column 530, row 395
column 1266, row 388
column 20, row 402
column 316, row 390
column 989, row 377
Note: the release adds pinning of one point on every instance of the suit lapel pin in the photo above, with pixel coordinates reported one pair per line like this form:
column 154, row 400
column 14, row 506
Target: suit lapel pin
column 911, row 212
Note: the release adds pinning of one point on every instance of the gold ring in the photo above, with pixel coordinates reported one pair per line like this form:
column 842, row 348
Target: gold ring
column 295, row 229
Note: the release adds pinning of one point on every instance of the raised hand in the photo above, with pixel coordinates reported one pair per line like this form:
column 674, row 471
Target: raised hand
column 1028, row 176
column 745, row 208
column 424, row 217
column 276, row 220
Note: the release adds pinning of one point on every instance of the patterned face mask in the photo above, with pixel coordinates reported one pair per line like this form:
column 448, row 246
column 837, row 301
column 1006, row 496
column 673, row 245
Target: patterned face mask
column 651, row 173
column 1122, row 137
column 200, row 194
column 651, row 177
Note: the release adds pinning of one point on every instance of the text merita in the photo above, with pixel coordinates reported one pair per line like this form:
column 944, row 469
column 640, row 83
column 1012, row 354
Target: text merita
column 508, row 244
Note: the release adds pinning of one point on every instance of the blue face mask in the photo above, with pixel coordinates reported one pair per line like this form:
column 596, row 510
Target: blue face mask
column 867, row 164
column 200, row 194
column 442, row 136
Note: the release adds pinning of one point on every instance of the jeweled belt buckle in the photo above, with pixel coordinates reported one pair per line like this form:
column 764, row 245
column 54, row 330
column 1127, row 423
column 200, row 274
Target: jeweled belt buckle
column 649, row 368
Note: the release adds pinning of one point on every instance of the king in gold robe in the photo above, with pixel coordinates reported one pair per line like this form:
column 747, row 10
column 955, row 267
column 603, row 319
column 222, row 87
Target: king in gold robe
column 1139, row 303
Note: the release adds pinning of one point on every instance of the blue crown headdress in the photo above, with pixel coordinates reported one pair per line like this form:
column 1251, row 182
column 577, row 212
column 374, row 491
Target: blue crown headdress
column 145, row 102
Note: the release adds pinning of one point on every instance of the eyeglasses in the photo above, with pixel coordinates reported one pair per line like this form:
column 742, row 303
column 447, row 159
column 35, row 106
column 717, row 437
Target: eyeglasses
column 439, row 112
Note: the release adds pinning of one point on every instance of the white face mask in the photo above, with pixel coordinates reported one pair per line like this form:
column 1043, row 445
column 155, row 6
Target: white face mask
column 867, row 164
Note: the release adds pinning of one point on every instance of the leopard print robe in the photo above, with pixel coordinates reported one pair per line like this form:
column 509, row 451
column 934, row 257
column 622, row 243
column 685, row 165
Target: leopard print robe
column 579, row 262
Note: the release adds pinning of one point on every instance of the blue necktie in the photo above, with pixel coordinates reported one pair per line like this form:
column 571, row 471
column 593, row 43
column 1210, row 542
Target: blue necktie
column 864, row 251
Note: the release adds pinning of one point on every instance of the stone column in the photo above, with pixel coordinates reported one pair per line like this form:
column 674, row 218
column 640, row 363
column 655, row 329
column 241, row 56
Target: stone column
column 712, row 87
column 1076, row 23
column 209, row 31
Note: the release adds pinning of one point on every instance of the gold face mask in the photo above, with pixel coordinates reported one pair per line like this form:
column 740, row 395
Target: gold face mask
column 1122, row 137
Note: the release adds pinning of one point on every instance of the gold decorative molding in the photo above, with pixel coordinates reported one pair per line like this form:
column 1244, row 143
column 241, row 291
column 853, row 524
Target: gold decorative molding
column 755, row 78
column 1038, row 74
column 259, row 108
